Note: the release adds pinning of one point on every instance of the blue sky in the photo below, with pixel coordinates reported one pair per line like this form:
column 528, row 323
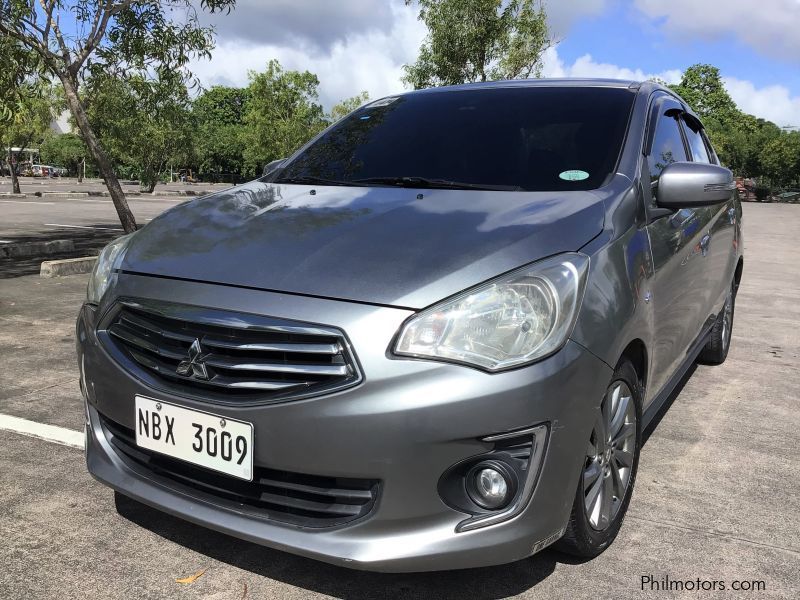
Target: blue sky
column 355, row 45
column 622, row 35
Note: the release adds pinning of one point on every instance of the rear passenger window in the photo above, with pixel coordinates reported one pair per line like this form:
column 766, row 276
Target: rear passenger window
column 696, row 143
column 667, row 146
column 711, row 152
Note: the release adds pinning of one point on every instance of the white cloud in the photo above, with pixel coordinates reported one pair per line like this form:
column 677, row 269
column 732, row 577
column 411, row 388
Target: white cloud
column 371, row 57
column 770, row 26
column 370, row 60
column 774, row 103
column 351, row 45
column 562, row 15
column 586, row 66
column 317, row 24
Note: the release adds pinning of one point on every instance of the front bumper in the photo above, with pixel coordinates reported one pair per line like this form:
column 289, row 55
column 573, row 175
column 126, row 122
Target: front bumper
column 405, row 426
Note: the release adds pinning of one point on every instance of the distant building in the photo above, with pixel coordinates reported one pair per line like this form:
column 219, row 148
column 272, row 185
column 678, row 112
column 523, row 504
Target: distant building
column 60, row 124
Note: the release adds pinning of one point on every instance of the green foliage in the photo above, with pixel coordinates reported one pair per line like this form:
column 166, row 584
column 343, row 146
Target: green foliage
column 66, row 150
column 479, row 40
column 348, row 105
column 144, row 124
column 702, row 88
column 780, row 159
column 123, row 39
column 19, row 67
column 749, row 146
column 31, row 115
column 282, row 114
column 743, row 140
column 27, row 99
column 219, row 115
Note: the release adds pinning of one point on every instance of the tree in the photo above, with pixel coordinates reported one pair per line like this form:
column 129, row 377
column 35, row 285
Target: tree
column 780, row 159
column 144, row 124
column 115, row 37
column 282, row 114
column 743, row 140
column 219, row 116
column 348, row 105
column 26, row 102
column 476, row 40
column 29, row 125
column 702, row 88
column 66, row 150
column 749, row 146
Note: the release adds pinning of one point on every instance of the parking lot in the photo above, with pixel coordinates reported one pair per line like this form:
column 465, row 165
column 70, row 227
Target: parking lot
column 716, row 496
column 89, row 221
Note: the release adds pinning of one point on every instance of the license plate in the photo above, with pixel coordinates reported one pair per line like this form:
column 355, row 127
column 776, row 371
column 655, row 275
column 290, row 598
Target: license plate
column 211, row 441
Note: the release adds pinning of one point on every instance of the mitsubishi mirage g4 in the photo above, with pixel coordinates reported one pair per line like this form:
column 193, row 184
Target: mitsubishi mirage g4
column 431, row 338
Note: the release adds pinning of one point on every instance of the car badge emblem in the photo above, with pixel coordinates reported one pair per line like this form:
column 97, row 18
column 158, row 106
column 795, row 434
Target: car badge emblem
column 194, row 366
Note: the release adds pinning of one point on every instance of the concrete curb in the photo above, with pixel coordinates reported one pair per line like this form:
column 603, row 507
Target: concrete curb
column 179, row 193
column 67, row 266
column 11, row 195
column 63, row 194
column 19, row 249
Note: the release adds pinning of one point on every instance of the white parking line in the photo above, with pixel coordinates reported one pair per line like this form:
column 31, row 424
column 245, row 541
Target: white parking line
column 50, row 433
column 26, row 202
column 82, row 226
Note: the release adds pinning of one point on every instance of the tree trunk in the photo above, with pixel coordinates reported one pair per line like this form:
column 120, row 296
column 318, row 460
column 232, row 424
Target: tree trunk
column 12, row 169
column 99, row 155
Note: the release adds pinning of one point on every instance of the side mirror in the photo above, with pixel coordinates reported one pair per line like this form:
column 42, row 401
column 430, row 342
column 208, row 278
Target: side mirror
column 273, row 166
column 691, row 184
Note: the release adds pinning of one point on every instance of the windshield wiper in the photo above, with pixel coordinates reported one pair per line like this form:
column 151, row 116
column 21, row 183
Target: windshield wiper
column 424, row 182
column 311, row 180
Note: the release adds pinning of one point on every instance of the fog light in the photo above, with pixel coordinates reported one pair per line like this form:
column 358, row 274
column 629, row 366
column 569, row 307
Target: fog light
column 490, row 485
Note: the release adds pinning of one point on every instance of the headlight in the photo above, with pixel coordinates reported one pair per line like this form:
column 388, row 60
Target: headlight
column 109, row 260
column 515, row 319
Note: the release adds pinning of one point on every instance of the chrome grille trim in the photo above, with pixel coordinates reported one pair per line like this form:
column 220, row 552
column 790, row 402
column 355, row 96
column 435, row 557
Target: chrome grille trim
column 248, row 358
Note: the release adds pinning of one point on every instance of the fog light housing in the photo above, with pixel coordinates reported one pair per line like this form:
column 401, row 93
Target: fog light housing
column 491, row 484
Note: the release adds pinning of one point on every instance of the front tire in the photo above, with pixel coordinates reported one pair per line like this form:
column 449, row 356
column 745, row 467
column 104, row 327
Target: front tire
column 609, row 469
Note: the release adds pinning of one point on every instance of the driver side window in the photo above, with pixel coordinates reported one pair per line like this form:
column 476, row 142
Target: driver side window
column 667, row 146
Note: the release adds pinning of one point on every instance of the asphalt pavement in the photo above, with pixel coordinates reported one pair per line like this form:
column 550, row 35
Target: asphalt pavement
column 716, row 496
column 90, row 222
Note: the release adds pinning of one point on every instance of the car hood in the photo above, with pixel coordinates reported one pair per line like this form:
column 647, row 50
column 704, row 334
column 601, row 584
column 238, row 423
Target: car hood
column 391, row 246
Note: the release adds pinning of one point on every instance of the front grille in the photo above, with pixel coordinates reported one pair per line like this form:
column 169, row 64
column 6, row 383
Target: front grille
column 225, row 356
column 295, row 498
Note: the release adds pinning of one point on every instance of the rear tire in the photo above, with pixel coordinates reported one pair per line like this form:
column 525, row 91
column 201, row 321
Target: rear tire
column 612, row 458
column 716, row 350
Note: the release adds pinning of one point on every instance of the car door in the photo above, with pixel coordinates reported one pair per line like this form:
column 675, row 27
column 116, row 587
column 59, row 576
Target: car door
column 720, row 256
column 678, row 240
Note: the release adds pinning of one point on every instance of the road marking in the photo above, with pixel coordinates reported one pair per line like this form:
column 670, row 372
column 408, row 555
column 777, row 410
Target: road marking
column 82, row 226
column 5, row 241
column 26, row 202
column 49, row 433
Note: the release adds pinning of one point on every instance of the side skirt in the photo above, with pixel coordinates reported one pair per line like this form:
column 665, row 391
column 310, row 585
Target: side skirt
column 654, row 408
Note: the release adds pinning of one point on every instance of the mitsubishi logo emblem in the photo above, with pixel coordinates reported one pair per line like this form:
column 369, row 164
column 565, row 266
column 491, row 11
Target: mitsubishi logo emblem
column 194, row 367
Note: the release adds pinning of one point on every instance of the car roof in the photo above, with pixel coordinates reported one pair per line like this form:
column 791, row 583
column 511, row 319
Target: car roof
column 642, row 87
column 543, row 82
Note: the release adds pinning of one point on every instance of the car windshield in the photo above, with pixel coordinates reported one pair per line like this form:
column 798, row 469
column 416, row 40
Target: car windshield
column 505, row 138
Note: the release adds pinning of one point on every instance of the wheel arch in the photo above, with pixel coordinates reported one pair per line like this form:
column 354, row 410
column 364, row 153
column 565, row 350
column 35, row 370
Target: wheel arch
column 636, row 353
column 737, row 274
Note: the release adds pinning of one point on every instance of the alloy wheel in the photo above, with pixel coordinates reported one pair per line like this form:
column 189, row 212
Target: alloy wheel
column 609, row 456
column 727, row 320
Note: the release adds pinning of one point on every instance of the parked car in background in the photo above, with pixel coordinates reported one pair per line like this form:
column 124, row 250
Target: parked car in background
column 431, row 339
